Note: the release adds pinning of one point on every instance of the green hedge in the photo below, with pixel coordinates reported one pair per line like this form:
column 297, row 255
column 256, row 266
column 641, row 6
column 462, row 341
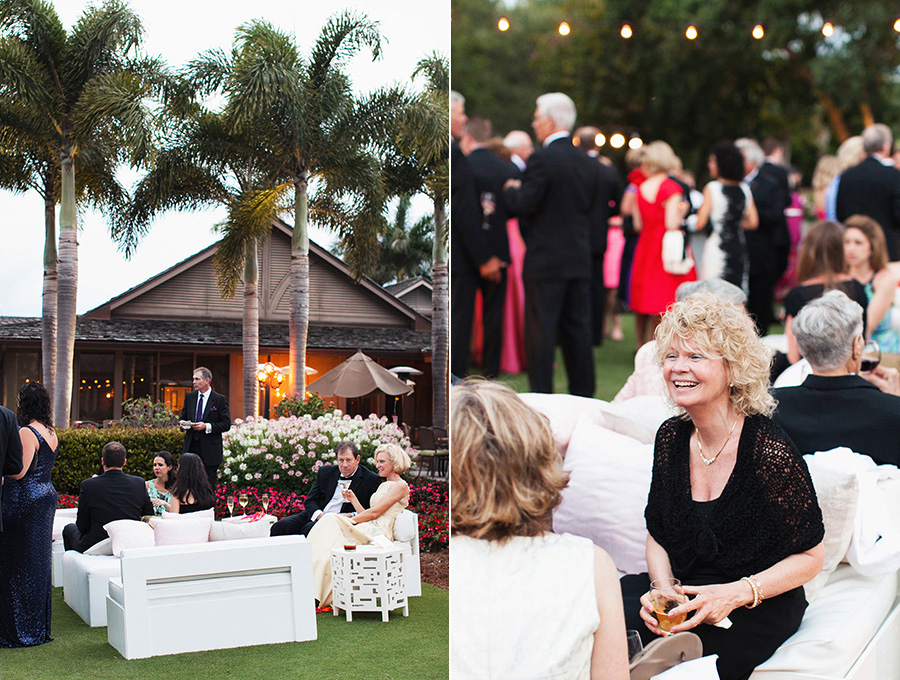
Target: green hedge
column 79, row 452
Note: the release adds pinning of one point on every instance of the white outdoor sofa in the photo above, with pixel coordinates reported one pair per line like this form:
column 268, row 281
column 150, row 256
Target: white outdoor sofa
column 851, row 630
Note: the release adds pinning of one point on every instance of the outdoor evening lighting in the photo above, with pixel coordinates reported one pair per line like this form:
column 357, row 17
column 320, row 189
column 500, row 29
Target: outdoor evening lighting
column 600, row 139
column 503, row 24
column 758, row 32
column 269, row 378
column 691, row 32
column 635, row 142
column 827, row 29
column 626, row 31
column 897, row 25
column 564, row 28
column 617, row 141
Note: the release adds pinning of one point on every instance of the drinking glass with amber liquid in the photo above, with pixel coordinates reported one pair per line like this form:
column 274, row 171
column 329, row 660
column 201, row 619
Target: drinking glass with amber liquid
column 243, row 499
column 666, row 594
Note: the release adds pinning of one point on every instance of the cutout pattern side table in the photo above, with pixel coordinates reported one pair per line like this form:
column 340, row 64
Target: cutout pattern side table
column 368, row 579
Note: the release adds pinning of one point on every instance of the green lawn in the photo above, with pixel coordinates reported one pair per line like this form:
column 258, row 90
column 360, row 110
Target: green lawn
column 410, row 648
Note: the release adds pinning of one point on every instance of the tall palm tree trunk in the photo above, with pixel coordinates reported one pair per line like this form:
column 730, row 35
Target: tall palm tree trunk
column 48, row 299
column 251, row 332
column 68, row 291
column 299, row 322
column 440, row 320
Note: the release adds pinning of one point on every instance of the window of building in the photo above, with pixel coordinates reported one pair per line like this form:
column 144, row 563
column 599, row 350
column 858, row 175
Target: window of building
column 138, row 376
column 95, row 386
column 19, row 367
column 175, row 372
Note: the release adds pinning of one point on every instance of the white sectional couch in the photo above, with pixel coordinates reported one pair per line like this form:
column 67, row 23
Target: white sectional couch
column 851, row 630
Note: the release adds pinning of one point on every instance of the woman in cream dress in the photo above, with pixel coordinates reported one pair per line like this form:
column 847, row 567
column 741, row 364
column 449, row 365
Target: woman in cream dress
column 331, row 530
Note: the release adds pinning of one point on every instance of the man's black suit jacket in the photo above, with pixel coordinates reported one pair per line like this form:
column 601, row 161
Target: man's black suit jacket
column 216, row 413
column 873, row 189
column 111, row 496
column 829, row 411
column 10, row 449
column 772, row 233
column 363, row 483
column 469, row 247
column 491, row 172
column 559, row 197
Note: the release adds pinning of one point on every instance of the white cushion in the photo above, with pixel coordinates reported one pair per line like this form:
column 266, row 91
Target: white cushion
column 104, row 547
column 607, row 493
column 170, row 531
column 564, row 412
column 228, row 531
column 638, row 417
column 128, row 533
column 405, row 528
column 838, row 493
column 209, row 512
column 61, row 518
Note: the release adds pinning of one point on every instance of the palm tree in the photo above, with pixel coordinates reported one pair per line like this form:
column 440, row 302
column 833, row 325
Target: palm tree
column 83, row 97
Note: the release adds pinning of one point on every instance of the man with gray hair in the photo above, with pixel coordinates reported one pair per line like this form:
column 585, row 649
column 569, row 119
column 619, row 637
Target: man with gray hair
column 558, row 194
column 836, row 405
column 872, row 188
column 520, row 146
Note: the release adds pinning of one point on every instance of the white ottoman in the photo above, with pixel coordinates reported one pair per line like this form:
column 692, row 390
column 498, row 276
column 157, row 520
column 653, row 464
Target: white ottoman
column 85, row 584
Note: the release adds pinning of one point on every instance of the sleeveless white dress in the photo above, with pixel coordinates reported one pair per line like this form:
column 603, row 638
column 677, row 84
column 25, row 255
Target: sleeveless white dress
column 329, row 532
column 523, row 609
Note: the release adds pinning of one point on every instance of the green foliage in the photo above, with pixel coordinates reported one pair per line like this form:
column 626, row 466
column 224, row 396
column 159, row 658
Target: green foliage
column 79, row 452
column 294, row 405
column 144, row 412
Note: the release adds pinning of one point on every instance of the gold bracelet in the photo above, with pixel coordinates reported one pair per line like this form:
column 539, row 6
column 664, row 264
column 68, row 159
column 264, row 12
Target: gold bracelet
column 757, row 591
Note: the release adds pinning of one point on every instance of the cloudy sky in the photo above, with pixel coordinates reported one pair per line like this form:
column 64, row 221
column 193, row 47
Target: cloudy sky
column 178, row 31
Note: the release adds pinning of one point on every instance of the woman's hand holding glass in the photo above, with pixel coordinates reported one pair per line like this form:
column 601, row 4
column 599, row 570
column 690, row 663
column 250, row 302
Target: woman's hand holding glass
column 710, row 604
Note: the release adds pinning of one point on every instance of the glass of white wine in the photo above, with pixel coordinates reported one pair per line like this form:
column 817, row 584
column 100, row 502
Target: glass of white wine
column 243, row 499
column 264, row 499
column 666, row 594
column 230, row 503
column 344, row 484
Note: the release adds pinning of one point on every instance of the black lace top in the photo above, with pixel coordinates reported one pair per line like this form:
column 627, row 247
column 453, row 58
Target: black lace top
column 766, row 512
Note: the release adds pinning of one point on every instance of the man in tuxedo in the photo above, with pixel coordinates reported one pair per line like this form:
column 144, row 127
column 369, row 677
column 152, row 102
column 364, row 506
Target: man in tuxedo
column 769, row 244
column 558, row 195
column 872, row 188
column 470, row 252
column 491, row 172
column 10, row 449
column 325, row 494
column 520, row 147
column 104, row 499
column 207, row 411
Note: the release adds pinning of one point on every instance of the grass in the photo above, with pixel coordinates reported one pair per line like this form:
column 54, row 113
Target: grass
column 410, row 648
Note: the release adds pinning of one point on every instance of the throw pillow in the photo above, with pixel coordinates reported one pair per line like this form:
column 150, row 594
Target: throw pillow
column 229, row 531
column 405, row 528
column 638, row 417
column 210, row 512
column 104, row 547
column 170, row 531
column 128, row 533
column 564, row 412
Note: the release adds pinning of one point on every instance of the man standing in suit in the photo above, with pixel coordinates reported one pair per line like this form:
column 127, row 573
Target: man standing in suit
column 558, row 195
column 104, row 499
column 520, row 147
column 209, row 415
column 325, row 494
column 10, row 449
column 872, row 188
column 491, row 172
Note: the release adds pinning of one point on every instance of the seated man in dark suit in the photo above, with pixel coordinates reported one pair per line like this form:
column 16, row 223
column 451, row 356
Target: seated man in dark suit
column 106, row 498
column 10, row 448
column 834, row 406
column 326, row 495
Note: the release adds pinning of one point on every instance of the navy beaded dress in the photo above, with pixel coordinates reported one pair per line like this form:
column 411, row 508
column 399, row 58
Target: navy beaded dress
column 25, row 584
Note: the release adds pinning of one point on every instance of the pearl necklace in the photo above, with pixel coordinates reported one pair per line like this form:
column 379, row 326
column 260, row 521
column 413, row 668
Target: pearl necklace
column 710, row 461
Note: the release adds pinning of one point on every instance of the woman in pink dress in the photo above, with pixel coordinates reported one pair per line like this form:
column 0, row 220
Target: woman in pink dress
column 660, row 206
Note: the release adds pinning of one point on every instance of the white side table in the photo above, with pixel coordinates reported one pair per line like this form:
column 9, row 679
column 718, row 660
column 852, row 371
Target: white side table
column 368, row 579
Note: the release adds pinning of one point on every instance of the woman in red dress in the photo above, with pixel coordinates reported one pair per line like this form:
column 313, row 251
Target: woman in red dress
column 661, row 206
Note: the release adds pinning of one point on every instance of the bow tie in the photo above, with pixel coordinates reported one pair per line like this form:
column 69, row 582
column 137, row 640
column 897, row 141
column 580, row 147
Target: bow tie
column 346, row 478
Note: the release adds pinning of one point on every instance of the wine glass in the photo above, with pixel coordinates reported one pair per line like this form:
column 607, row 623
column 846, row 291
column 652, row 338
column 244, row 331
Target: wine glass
column 871, row 356
column 488, row 207
column 344, row 484
column 634, row 643
column 243, row 500
column 230, row 503
column 666, row 594
column 264, row 499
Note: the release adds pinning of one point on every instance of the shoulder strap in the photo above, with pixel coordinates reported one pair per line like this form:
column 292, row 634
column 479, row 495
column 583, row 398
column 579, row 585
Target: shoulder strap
column 36, row 433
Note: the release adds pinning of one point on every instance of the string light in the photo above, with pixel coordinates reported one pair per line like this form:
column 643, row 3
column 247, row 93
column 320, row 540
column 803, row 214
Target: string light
column 503, row 24
column 758, row 32
column 626, row 31
column 564, row 28
column 827, row 29
column 691, row 32
column 617, row 141
column 600, row 139
column 897, row 25
column 635, row 142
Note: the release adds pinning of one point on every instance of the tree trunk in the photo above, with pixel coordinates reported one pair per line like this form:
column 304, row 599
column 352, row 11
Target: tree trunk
column 440, row 321
column 68, row 291
column 299, row 323
column 251, row 332
column 48, row 299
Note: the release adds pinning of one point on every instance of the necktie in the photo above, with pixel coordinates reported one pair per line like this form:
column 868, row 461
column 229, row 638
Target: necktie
column 199, row 417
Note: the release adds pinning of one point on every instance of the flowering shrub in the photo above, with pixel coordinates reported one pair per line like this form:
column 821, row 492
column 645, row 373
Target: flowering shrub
column 66, row 500
column 430, row 500
column 286, row 454
column 281, row 504
column 144, row 412
column 295, row 405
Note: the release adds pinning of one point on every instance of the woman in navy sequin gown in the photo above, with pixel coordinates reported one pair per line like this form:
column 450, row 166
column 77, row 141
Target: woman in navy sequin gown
column 29, row 503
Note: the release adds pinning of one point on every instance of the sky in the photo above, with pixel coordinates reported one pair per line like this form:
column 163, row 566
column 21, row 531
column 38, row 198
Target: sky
column 178, row 31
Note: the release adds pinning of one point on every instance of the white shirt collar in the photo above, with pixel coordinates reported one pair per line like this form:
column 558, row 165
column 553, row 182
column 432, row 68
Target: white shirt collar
column 554, row 136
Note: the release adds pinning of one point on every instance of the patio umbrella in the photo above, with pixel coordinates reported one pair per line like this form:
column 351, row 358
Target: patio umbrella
column 356, row 377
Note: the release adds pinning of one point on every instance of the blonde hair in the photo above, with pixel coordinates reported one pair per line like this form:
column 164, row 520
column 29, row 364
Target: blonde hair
column 506, row 469
column 398, row 457
column 826, row 170
column 851, row 152
column 722, row 330
column 658, row 157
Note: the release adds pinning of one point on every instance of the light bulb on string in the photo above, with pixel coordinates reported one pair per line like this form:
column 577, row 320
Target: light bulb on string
column 758, row 32
column 503, row 24
column 828, row 29
column 626, row 31
column 564, row 28
column 600, row 139
column 691, row 32
column 897, row 25
column 617, row 141
column 635, row 142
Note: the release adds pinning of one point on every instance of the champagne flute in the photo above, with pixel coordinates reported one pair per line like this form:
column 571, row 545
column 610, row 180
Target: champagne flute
column 264, row 499
column 666, row 594
column 634, row 643
column 488, row 207
column 243, row 500
column 230, row 503
column 871, row 356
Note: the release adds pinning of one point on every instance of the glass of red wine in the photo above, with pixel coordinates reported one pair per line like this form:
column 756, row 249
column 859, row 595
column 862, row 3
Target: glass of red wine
column 871, row 356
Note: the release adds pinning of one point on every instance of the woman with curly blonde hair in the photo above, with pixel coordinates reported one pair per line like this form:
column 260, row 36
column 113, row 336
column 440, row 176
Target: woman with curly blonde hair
column 515, row 584
column 732, row 511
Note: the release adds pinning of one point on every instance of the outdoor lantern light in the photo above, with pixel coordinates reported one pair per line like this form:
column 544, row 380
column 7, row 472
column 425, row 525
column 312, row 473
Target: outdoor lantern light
column 635, row 142
column 564, row 28
column 503, row 24
column 897, row 25
column 617, row 141
column 600, row 139
column 827, row 29
column 691, row 32
column 626, row 31
column 758, row 31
